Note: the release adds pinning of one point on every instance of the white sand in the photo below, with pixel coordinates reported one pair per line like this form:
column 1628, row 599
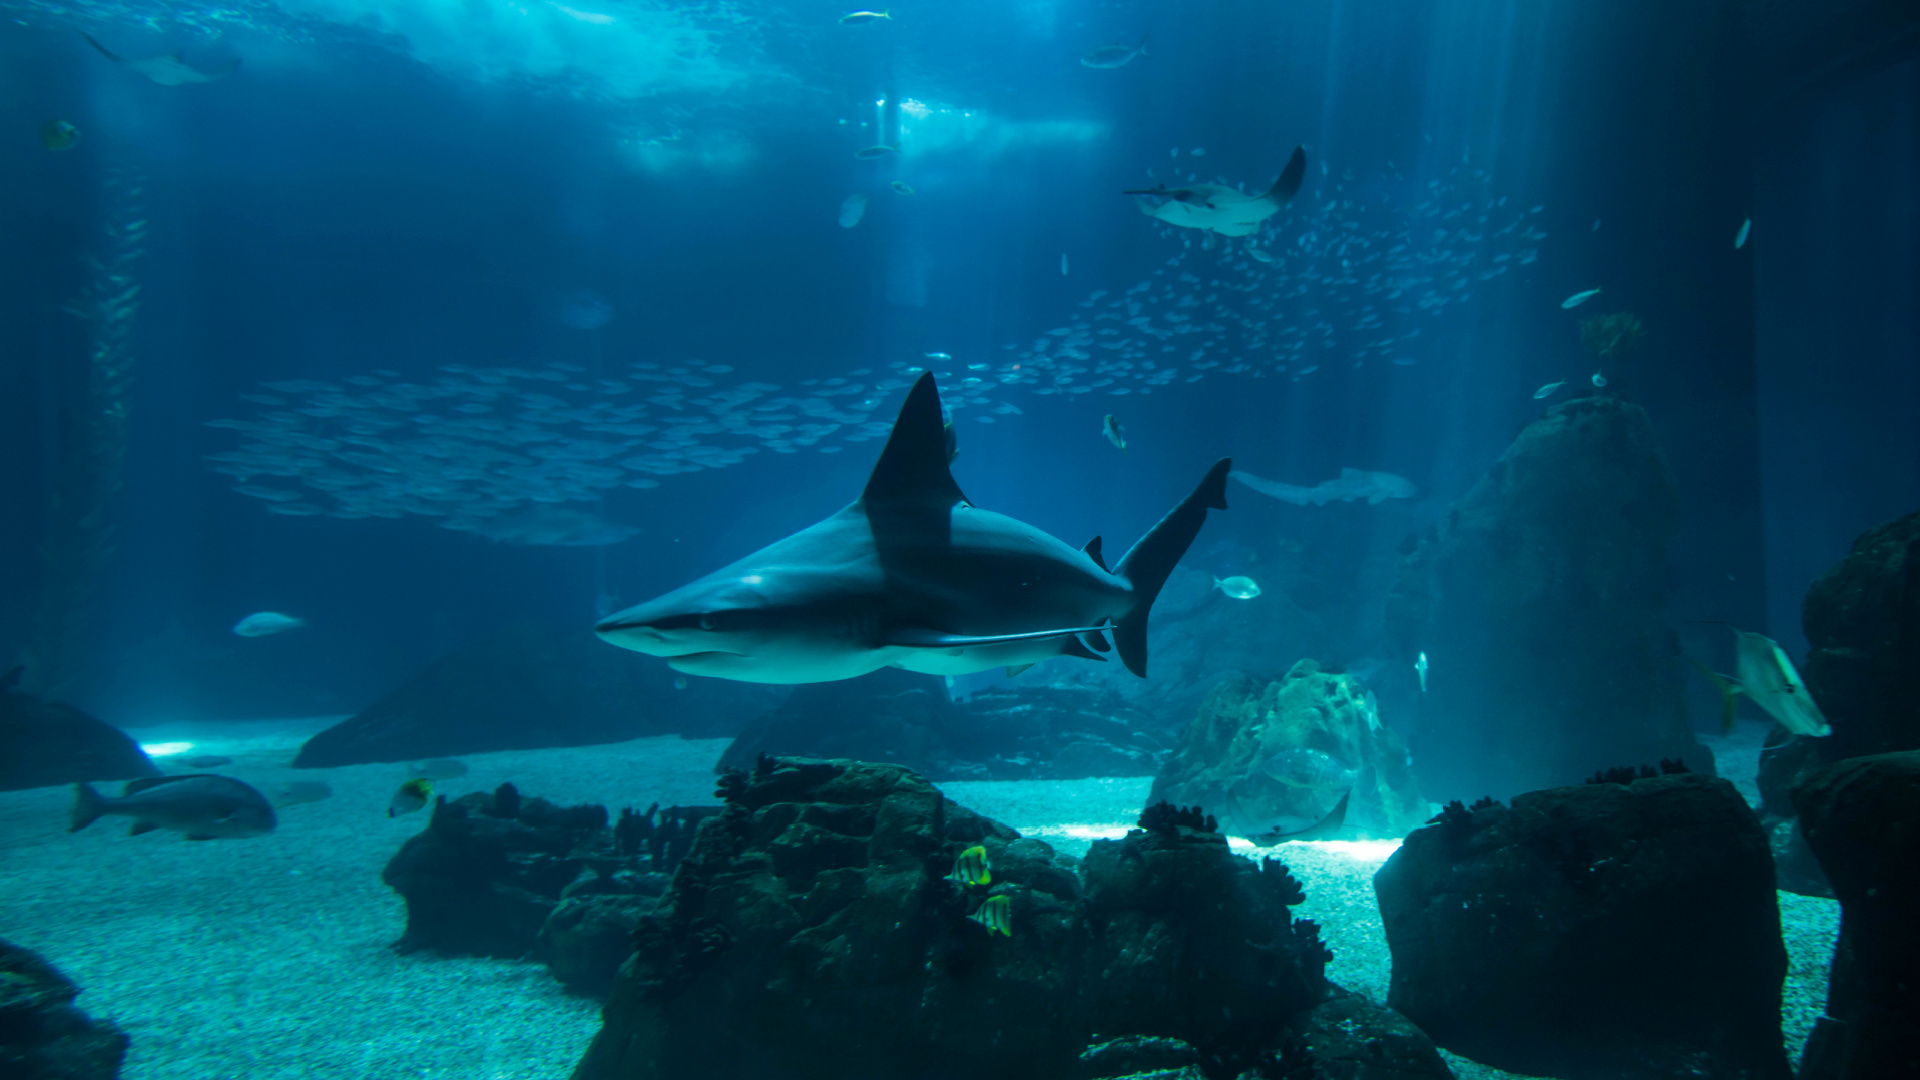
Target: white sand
column 269, row 958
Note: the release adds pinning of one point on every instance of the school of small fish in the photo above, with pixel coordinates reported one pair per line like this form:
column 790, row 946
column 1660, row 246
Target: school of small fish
column 1349, row 275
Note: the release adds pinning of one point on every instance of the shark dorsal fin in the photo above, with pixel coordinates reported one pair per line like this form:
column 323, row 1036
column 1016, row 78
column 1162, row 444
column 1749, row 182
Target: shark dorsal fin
column 913, row 467
column 1092, row 551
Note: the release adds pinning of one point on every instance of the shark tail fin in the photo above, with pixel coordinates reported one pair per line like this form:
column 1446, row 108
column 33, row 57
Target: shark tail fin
column 1288, row 185
column 87, row 807
column 1146, row 565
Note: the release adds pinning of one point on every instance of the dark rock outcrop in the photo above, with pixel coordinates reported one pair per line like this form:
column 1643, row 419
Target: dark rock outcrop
column 504, row 875
column 1539, row 604
column 45, row 743
column 1599, row 931
column 813, row 932
column 1035, row 732
column 527, row 692
column 1220, row 763
column 1862, row 621
column 1861, row 816
column 43, row 1035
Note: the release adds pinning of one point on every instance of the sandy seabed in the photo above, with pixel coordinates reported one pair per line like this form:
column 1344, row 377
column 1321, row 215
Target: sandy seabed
column 271, row 958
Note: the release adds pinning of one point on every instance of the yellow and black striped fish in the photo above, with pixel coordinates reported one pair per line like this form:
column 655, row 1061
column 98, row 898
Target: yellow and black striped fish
column 996, row 914
column 971, row 868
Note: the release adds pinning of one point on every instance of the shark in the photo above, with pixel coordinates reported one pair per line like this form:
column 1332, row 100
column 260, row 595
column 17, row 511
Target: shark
column 1351, row 484
column 913, row 575
column 167, row 70
column 1225, row 210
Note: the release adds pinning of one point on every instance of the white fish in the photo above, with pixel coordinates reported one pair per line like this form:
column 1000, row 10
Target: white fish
column 1110, row 427
column 1063, row 264
column 1599, row 379
column 939, row 356
column 1547, row 390
column 262, row 623
column 1579, row 298
column 1769, row 678
column 1260, row 255
column 1740, row 238
column 852, row 210
column 1420, row 669
column 1239, row 587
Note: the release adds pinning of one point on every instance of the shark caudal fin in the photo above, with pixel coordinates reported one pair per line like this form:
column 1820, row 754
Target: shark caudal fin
column 1288, row 185
column 87, row 807
column 1147, row 564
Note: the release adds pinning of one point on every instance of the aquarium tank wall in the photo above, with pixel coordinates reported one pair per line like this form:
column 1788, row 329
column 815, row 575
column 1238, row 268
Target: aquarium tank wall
column 642, row 538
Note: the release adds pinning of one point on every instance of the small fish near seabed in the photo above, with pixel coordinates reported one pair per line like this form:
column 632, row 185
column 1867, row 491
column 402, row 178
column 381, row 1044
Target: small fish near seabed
column 59, row 135
column 1108, row 57
column 1420, row 669
column 1547, row 391
column 202, row 806
column 1315, row 770
column 1238, row 587
column 1110, row 427
column 1763, row 673
column 263, row 623
column 1224, row 210
column 952, row 589
column 412, row 796
column 856, row 18
column 1351, row 484
column 872, row 153
column 996, row 914
column 440, row 768
column 1579, row 298
column 972, row 868
column 167, row 70
column 852, row 209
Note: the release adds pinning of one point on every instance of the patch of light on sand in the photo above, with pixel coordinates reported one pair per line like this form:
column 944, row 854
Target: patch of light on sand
column 1078, row 830
column 165, row 749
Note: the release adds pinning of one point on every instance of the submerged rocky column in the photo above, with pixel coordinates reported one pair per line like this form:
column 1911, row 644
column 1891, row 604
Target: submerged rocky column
column 92, row 448
column 1539, row 605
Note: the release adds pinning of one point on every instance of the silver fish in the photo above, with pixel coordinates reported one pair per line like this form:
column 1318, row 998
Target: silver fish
column 201, row 805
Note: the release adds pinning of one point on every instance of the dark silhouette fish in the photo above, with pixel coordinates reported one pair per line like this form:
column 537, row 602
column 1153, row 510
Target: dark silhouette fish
column 201, row 805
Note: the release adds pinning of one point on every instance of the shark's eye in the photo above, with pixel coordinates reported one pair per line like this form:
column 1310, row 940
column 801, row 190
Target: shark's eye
column 706, row 622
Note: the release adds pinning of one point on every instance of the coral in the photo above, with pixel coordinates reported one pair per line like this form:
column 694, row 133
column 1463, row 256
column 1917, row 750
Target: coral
column 1167, row 819
column 1627, row 774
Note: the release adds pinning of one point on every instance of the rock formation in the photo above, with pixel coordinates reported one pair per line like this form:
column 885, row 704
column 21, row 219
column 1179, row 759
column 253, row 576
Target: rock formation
column 526, row 692
column 45, row 743
column 1222, row 760
column 815, row 932
column 1591, row 932
column 1861, row 816
column 1862, row 621
column 43, row 1035
column 1539, row 603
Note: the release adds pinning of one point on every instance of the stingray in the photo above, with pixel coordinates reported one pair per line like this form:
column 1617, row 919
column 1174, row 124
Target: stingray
column 167, row 70
column 1225, row 210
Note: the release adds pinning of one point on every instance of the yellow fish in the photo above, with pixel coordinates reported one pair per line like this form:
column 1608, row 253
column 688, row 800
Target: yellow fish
column 971, row 868
column 413, row 795
column 996, row 914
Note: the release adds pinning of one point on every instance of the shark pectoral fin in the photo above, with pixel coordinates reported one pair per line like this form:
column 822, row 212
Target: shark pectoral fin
column 923, row 638
column 1092, row 551
column 1015, row 669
